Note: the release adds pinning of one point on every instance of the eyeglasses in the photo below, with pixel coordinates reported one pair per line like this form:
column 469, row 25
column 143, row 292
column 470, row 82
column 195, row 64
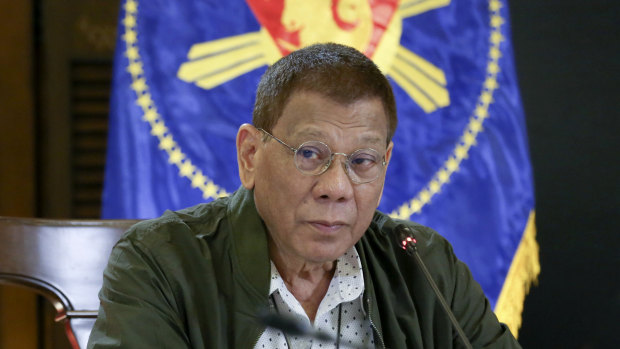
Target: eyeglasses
column 312, row 158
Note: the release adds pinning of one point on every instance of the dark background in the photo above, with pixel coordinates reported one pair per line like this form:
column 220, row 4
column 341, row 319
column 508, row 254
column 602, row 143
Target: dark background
column 55, row 68
column 568, row 62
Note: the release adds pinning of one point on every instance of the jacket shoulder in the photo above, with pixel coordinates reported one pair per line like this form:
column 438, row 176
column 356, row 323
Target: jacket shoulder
column 197, row 221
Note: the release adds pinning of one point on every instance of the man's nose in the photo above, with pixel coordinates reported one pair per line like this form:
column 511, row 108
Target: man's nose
column 334, row 184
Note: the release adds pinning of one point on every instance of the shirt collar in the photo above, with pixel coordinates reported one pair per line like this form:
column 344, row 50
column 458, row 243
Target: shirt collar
column 348, row 278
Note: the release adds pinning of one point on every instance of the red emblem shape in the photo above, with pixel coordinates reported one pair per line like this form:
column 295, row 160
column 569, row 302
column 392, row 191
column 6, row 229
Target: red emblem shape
column 297, row 23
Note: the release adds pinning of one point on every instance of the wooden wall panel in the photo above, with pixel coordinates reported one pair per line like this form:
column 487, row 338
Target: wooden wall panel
column 18, row 325
column 76, row 51
column 90, row 91
column 18, row 308
column 17, row 158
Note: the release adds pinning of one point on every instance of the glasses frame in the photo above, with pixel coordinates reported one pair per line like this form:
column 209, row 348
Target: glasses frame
column 331, row 157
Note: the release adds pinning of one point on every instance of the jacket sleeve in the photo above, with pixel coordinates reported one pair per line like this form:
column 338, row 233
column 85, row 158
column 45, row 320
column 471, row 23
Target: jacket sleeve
column 473, row 311
column 137, row 304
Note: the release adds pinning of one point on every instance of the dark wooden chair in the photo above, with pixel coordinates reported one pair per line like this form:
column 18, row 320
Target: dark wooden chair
column 64, row 261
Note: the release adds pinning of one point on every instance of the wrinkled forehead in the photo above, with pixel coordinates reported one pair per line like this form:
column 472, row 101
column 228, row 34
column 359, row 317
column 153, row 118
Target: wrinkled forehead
column 337, row 98
column 306, row 113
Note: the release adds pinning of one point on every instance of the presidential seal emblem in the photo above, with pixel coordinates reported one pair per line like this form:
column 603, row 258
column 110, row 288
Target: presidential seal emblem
column 372, row 27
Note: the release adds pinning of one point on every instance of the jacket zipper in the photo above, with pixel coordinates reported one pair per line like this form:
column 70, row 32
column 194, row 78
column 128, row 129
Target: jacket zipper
column 372, row 324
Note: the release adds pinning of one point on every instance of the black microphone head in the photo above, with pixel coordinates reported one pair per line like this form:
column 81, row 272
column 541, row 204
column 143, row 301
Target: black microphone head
column 290, row 326
column 283, row 323
column 403, row 231
column 406, row 238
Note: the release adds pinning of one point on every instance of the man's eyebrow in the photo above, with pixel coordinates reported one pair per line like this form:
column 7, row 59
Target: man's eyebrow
column 316, row 134
column 372, row 139
column 312, row 133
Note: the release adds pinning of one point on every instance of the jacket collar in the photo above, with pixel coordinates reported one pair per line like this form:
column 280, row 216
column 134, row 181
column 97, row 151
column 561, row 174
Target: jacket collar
column 370, row 303
column 250, row 247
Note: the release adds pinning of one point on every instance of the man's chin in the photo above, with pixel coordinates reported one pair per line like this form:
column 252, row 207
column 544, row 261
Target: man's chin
column 318, row 254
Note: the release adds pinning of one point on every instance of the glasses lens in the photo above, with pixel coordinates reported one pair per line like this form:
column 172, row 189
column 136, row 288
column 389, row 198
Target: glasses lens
column 365, row 165
column 312, row 157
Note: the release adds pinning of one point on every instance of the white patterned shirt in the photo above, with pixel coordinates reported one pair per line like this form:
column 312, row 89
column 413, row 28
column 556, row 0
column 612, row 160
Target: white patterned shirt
column 343, row 299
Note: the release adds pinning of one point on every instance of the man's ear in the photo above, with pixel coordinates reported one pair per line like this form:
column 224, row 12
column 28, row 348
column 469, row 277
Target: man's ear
column 388, row 156
column 388, row 153
column 248, row 143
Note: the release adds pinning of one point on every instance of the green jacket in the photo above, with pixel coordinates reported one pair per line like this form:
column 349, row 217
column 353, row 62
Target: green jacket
column 196, row 278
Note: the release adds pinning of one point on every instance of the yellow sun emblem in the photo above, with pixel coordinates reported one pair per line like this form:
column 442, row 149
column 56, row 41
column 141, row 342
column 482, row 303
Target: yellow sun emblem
column 350, row 22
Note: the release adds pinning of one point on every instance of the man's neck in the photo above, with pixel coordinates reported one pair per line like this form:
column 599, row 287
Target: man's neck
column 306, row 281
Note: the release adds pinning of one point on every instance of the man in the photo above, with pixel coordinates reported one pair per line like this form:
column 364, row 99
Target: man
column 302, row 237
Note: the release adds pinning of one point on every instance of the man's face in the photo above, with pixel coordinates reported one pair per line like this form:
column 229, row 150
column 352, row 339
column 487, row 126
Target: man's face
column 315, row 219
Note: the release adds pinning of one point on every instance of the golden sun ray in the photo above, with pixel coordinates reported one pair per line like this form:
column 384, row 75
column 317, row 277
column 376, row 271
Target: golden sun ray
column 213, row 63
column 408, row 8
column 422, row 81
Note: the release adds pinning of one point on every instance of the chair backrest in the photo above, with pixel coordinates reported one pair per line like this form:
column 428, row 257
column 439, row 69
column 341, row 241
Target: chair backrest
column 64, row 261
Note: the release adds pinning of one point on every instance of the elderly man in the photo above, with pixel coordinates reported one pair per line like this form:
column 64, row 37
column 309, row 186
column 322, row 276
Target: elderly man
column 302, row 237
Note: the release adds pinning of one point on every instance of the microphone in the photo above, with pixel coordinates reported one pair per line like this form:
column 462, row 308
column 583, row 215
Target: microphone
column 290, row 326
column 409, row 244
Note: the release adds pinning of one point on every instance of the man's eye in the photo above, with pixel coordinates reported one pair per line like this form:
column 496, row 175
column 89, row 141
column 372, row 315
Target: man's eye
column 364, row 160
column 309, row 153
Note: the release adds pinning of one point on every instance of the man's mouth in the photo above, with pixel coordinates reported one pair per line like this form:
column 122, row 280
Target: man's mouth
column 327, row 226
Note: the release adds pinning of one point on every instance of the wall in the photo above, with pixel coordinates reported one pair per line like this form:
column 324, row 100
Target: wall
column 18, row 309
column 567, row 55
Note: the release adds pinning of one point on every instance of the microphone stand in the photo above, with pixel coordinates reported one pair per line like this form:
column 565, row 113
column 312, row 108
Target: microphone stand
column 409, row 244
